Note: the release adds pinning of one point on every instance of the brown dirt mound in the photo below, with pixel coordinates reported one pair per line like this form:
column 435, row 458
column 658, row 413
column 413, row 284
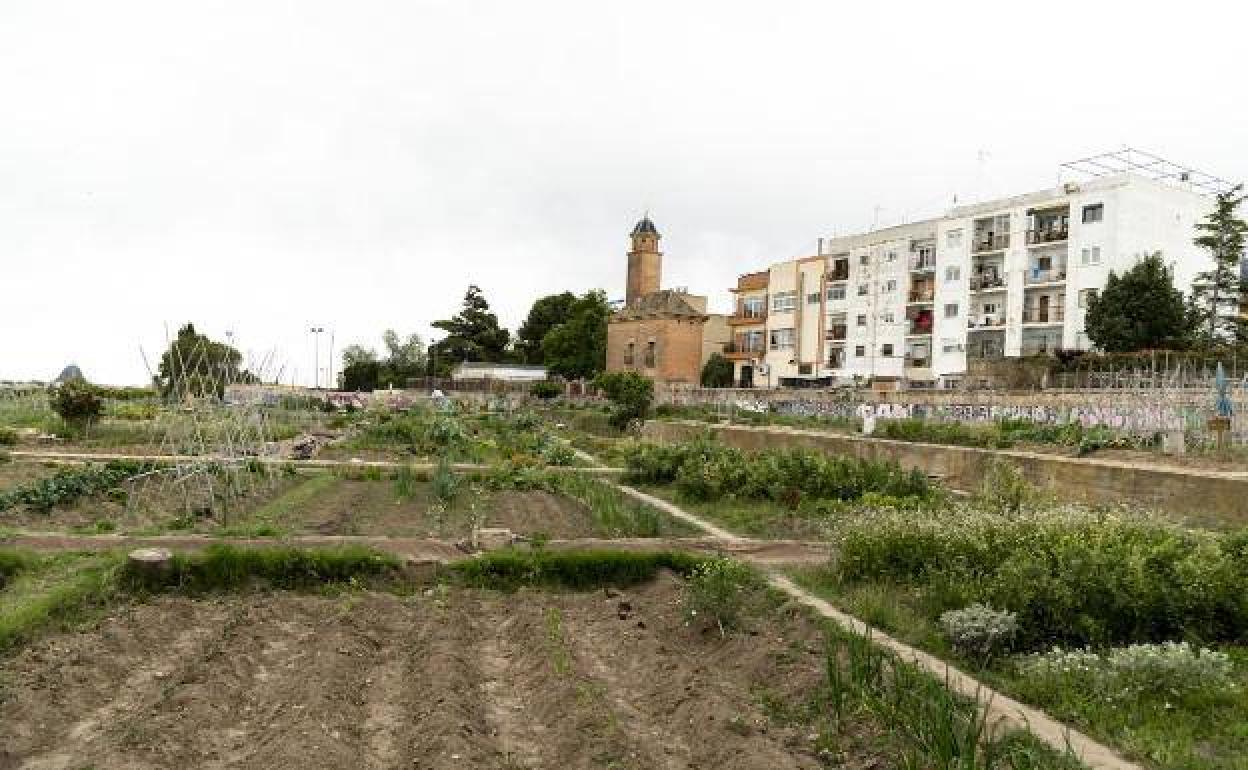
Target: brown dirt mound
column 452, row 678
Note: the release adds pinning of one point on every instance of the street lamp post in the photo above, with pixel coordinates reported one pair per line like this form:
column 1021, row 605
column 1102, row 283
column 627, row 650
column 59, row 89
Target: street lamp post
column 316, row 356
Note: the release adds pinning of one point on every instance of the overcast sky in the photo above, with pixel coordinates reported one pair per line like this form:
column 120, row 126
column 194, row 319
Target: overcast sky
column 261, row 167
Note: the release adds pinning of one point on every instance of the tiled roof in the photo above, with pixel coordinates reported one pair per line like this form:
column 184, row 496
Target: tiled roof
column 663, row 303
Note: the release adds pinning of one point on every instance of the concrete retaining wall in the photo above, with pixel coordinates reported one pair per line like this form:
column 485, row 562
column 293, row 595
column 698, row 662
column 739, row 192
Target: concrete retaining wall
column 1191, row 493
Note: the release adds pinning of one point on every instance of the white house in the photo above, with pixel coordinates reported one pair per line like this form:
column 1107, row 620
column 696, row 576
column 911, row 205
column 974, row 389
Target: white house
column 472, row 370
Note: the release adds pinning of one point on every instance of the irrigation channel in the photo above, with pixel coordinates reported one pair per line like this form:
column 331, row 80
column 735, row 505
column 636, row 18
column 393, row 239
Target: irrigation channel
column 1000, row 711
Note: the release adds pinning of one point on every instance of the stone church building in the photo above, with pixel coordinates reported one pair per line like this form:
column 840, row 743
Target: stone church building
column 665, row 334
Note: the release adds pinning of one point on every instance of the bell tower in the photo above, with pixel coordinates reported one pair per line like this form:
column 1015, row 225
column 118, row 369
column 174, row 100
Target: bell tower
column 645, row 261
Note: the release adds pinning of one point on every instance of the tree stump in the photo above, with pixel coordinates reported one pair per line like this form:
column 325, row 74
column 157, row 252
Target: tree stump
column 152, row 565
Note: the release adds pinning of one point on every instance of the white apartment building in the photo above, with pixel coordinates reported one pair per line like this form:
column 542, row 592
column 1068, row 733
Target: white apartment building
column 921, row 303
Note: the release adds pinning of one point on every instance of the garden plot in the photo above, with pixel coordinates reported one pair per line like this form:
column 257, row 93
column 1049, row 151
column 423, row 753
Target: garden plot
column 13, row 474
column 521, row 437
column 448, row 677
column 96, row 497
column 445, row 505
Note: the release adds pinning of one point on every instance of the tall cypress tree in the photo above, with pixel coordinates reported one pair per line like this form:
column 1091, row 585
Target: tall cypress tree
column 1218, row 295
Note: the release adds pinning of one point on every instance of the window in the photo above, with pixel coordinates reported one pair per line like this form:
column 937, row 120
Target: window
column 891, row 256
column 864, row 289
column 650, row 354
column 1086, row 296
column 888, row 317
column 812, row 299
column 953, row 273
column 990, row 308
column 782, row 339
column 783, row 301
column 953, row 239
column 890, row 284
column 948, row 345
column 862, row 320
column 835, row 293
column 951, row 310
column 628, row 354
column 862, row 259
column 803, row 368
column 860, row 351
column 1093, row 213
column 1092, row 255
column 886, row 350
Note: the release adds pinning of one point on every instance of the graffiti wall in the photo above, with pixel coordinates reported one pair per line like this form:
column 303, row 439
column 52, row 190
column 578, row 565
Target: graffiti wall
column 1142, row 414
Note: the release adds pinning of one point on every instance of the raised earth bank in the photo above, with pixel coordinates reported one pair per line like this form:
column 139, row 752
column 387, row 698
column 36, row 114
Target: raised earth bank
column 1206, row 496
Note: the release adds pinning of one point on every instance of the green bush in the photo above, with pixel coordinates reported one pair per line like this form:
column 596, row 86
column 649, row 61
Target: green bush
column 1071, row 576
column 8, row 436
column 720, row 590
column 545, row 390
column 705, row 470
column 1170, row 670
column 631, row 395
column 75, row 401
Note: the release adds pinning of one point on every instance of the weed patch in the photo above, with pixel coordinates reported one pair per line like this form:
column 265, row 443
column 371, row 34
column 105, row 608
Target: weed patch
column 579, row 570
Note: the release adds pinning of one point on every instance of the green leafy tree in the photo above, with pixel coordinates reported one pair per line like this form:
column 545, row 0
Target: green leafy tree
column 547, row 313
column 197, row 366
column 1139, row 310
column 363, row 369
column 577, row 348
column 717, row 372
column 76, row 401
column 631, row 395
column 1219, row 294
column 471, row 335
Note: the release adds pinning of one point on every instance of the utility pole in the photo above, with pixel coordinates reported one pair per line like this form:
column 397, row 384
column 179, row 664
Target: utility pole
column 316, row 356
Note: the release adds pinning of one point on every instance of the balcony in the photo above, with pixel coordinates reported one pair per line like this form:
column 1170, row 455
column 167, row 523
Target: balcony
column 739, row 349
column 984, row 242
column 1040, row 346
column 919, row 327
column 1044, row 315
column 835, row 334
column 838, row 273
column 985, row 352
column 987, row 282
column 921, row 294
column 986, row 322
column 1036, row 275
column 923, row 263
column 748, row 315
column 1045, row 235
column 918, row 361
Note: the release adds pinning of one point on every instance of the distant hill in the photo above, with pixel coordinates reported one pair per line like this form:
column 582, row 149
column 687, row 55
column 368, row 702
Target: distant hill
column 71, row 372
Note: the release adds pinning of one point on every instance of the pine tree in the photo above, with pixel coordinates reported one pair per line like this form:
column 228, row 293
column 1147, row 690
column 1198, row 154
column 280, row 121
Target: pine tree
column 1139, row 310
column 471, row 335
column 1219, row 294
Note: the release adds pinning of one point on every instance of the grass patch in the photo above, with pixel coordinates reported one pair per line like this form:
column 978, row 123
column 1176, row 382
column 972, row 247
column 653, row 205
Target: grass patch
column 48, row 591
column 271, row 517
column 224, row 567
column 578, row 570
